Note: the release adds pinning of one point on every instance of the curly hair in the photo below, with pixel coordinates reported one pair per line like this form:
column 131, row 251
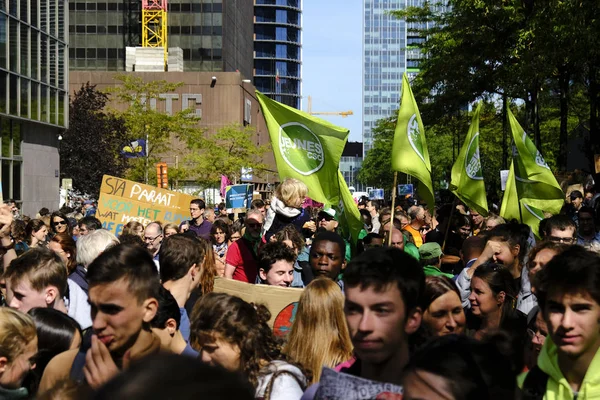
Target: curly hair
column 229, row 318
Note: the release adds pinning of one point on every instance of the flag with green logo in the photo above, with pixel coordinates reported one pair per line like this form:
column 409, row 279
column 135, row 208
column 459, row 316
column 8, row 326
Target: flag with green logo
column 509, row 210
column 309, row 149
column 467, row 176
column 409, row 151
column 536, row 185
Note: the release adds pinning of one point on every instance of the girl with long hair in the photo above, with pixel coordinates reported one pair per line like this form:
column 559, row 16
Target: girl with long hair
column 233, row 334
column 36, row 233
column 59, row 223
column 320, row 315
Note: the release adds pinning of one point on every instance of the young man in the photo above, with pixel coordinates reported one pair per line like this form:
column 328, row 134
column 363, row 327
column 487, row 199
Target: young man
column 327, row 220
column 89, row 224
column 560, row 229
column 241, row 261
column 326, row 256
column 568, row 291
column 181, row 258
column 124, row 286
column 382, row 293
column 276, row 264
column 587, row 235
column 198, row 224
column 38, row 278
column 373, row 209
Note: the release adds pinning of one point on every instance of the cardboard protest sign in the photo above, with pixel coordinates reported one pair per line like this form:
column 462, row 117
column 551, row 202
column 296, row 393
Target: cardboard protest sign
column 238, row 196
column 281, row 302
column 122, row 201
column 337, row 385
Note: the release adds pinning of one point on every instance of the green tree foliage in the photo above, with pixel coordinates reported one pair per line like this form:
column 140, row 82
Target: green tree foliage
column 230, row 149
column 90, row 147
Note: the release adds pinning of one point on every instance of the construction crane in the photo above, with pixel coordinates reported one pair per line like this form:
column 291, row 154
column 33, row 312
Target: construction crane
column 309, row 110
column 154, row 24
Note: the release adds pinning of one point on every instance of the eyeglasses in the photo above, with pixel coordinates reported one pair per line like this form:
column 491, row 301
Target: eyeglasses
column 538, row 335
column 147, row 239
column 60, row 223
column 566, row 240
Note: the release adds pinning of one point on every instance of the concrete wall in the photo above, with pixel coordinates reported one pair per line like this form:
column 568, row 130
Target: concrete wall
column 40, row 180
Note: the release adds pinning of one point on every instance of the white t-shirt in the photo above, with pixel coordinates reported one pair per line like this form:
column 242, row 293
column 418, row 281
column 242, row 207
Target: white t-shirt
column 78, row 307
column 286, row 386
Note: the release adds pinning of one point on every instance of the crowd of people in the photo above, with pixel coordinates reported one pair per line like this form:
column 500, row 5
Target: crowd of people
column 441, row 303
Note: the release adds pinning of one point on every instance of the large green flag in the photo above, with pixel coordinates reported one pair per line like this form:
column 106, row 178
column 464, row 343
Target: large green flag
column 536, row 185
column 309, row 149
column 467, row 176
column 510, row 206
column 409, row 151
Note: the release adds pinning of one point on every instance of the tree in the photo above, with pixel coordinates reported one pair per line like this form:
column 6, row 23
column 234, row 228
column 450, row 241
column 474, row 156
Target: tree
column 148, row 122
column 226, row 152
column 90, row 147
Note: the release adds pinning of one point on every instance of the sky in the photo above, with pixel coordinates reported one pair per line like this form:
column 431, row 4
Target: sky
column 332, row 60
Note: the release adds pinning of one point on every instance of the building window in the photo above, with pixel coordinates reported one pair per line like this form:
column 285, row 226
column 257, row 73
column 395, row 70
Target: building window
column 10, row 141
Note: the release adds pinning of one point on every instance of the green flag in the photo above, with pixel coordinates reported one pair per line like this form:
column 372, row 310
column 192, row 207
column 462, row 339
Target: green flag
column 467, row 176
column 309, row 149
column 536, row 185
column 509, row 210
column 409, row 151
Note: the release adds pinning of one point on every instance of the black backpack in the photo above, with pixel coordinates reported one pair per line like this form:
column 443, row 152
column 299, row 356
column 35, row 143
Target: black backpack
column 534, row 387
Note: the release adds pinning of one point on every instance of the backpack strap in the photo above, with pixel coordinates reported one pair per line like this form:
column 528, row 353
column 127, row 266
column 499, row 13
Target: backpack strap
column 534, row 387
column 76, row 373
column 277, row 374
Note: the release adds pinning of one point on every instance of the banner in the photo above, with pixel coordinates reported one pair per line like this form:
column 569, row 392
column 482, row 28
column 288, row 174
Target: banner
column 135, row 149
column 349, row 221
column 409, row 151
column 536, row 185
column 281, row 302
column 238, row 196
column 509, row 210
column 122, row 201
column 467, row 176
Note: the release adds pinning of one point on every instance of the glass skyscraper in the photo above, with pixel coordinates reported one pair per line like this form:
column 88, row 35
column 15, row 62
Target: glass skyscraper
column 388, row 51
column 278, row 50
column 33, row 99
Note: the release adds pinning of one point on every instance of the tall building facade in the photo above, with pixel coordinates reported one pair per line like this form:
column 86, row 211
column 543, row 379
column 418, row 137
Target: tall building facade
column 278, row 50
column 389, row 50
column 215, row 35
column 33, row 99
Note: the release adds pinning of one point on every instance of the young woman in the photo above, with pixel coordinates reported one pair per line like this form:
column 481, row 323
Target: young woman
column 36, row 233
column 233, row 334
column 18, row 347
column 442, row 309
column 59, row 223
column 293, row 239
column 64, row 245
column 170, row 229
column 133, row 228
column 320, row 315
column 493, row 299
column 219, row 236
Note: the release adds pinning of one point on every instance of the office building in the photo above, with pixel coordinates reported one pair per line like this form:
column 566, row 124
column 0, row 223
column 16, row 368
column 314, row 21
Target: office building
column 350, row 164
column 215, row 35
column 33, row 100
column 389, row 50
column 278, row 50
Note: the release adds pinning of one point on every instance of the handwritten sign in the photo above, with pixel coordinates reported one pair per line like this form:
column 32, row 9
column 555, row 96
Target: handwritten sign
column 122, row 201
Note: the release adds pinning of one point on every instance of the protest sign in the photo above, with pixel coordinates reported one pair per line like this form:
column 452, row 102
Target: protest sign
column 406, row 190
column 338, row 385
column 376, row 194
column 238, row 196
column 122, row 201
column 281, row 302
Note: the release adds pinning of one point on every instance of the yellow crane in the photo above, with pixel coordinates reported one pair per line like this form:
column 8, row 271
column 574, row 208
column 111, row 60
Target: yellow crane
column 309, row 110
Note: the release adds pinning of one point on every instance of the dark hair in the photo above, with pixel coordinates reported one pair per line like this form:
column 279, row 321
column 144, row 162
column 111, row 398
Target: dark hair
column 61, row 216
column 472, row 369
column 199, row 202
column 289, row 232
column 221, row 206
column 239, row 323
column 171, row 376
column 33, row 226
column 366, row 218
column 273, row 252
column 130, row 238
column 257, row 204
column 167, row 309
column 499, row 279
column 67, row 244
column 222, row 225
column 459, row 220
column 44, row 212
column 55, row 333
column 514, row 234
column 130, row 262
column 588, row 210
column 177, row 254
column 436, row 286
column 369, row 238
column 18, row 230
column 376, row 204
column 560, row 222
column 575, row 194
column 327, row 236
column 382, row 266
column 91, row 223
column 575, row 270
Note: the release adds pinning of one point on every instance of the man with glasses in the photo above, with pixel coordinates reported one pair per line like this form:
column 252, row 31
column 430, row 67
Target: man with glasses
column 560, row 229
column 199, row 225
column 241, row 262
column 153, row 237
